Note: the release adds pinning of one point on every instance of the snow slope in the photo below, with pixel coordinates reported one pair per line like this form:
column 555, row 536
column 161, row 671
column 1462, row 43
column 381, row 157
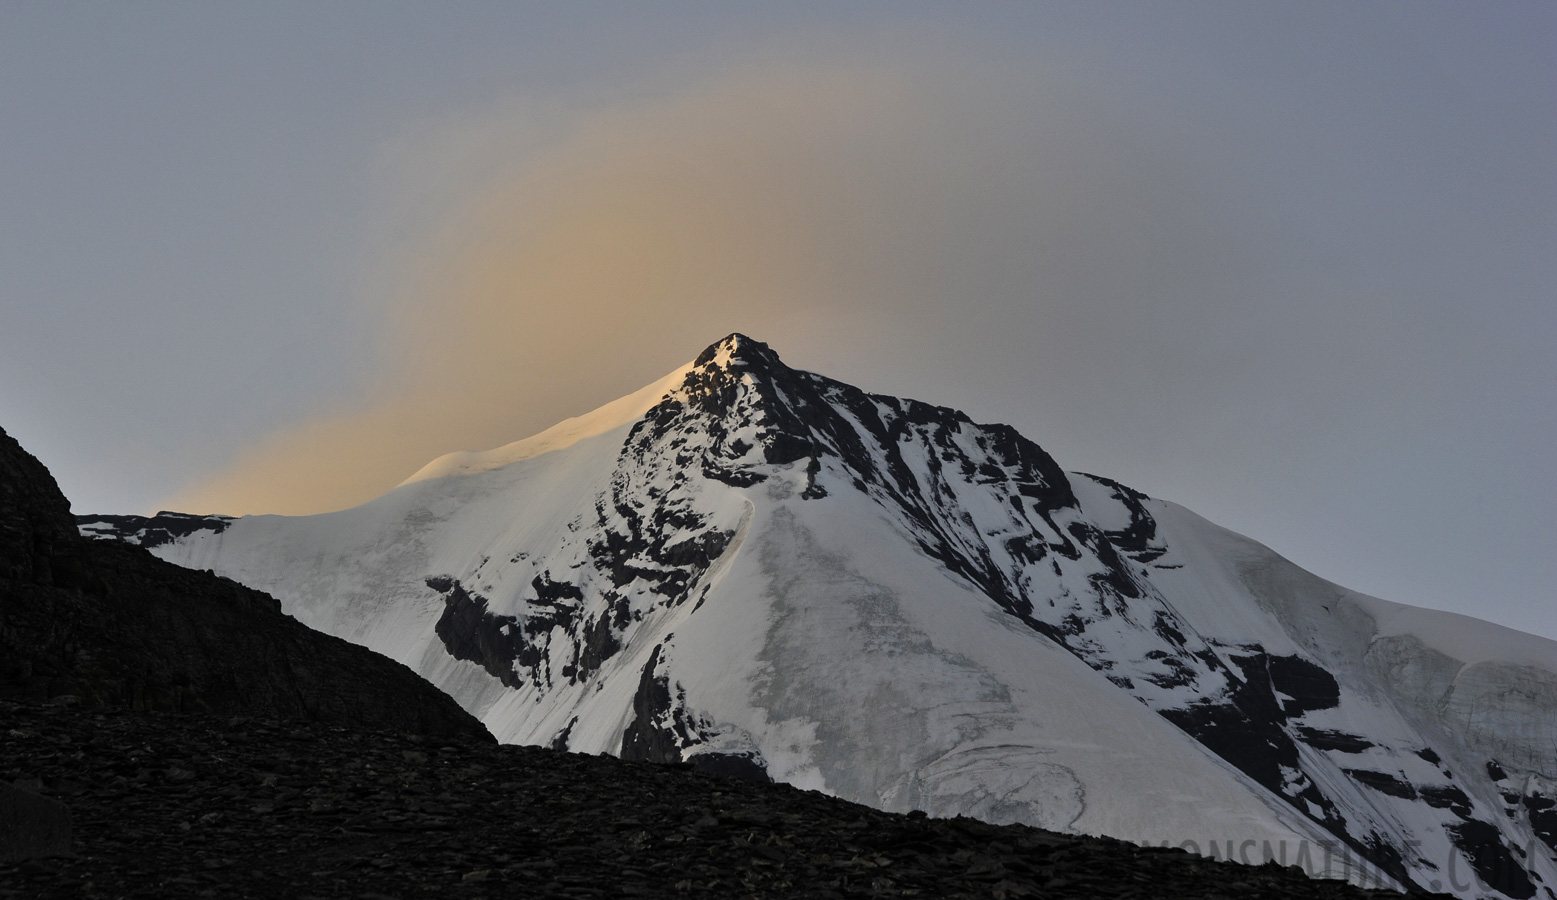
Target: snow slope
column 776, row 575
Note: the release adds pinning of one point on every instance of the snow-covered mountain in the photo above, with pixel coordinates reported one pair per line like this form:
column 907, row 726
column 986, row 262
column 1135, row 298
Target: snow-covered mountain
column 770, row 573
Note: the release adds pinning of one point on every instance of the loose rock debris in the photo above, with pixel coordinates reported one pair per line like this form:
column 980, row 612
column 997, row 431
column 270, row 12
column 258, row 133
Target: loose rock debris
column 175, row 805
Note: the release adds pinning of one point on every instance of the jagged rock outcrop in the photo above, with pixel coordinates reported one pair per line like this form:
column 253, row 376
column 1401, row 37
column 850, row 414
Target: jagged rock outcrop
column 108, row 624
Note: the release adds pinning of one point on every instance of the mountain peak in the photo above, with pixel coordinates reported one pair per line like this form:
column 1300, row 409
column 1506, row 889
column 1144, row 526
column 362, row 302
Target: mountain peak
column 764, row 571
column 734, row 352
column 738, row 350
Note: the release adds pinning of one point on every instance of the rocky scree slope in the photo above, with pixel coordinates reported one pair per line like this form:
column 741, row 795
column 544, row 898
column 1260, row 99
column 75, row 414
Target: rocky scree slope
column 106, row 624
column 187, row 806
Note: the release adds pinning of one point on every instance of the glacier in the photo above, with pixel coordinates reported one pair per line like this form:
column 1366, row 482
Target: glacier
column 769, row 573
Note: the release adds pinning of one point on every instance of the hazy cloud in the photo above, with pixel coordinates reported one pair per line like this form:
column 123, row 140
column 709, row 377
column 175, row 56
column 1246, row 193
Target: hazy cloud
column 901, row 209
column 1290, row 266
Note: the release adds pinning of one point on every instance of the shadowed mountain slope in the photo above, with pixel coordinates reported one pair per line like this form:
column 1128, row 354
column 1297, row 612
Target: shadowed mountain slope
column 109, row 624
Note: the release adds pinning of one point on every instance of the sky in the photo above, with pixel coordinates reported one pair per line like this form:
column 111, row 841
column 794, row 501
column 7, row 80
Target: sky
column 1291, row 265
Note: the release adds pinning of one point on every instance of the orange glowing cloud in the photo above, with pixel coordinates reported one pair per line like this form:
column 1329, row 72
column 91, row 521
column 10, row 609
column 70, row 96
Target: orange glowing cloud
column 611, row 255
column 831, row 210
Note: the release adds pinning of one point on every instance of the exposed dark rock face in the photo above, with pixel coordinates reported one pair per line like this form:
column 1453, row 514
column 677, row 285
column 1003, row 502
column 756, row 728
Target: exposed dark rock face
column 1520, row 798
column 650, row 737
column 1446, row 797
column 1543, row 817
column 175, row 806
column 1383, row 783
column 1309, row 686
column 662, row 729
column 1494, row 864
column 471, row 633
column 111, row 625
column 1326, row 739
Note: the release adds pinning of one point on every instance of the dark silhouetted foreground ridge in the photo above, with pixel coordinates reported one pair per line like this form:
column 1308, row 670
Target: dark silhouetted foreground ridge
column 173, row 806
column 104, row 624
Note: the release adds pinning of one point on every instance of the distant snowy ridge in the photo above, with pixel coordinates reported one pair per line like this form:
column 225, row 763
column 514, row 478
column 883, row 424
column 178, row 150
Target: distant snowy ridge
column 150, row 531
column 770, row 573
column 562, row 435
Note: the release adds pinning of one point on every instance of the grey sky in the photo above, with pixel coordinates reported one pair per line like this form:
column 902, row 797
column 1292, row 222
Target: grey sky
column 1292, row 266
